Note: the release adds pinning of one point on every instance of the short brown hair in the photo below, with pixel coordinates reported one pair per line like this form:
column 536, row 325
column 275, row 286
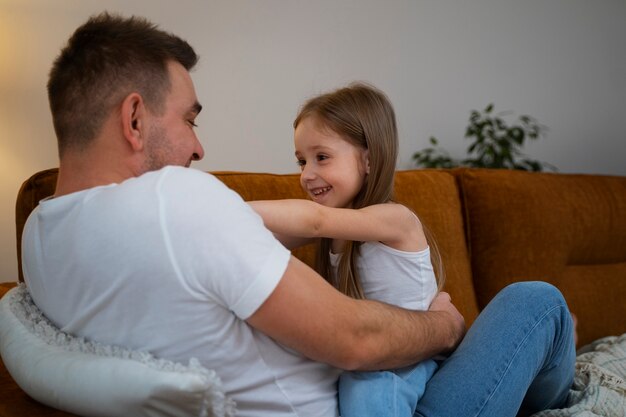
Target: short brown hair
column 107, row 58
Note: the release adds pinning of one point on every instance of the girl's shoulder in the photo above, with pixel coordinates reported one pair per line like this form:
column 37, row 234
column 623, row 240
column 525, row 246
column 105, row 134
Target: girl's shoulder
column 406, row 229
column 397, row 211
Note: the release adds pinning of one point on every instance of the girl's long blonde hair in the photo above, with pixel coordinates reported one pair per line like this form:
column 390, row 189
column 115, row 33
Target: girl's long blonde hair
column 364, row 116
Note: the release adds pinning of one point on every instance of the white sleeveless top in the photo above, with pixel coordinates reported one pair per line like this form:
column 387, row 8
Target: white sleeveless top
column 405, row 279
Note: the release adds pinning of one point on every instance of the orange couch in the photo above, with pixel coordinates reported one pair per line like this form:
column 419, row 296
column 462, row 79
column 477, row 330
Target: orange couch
column 493, row 227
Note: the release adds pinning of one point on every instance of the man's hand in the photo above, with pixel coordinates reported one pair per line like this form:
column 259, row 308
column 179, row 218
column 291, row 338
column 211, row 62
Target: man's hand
column 443, row 303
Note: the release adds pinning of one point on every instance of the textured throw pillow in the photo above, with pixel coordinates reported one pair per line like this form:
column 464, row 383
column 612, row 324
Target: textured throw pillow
column 92, row 379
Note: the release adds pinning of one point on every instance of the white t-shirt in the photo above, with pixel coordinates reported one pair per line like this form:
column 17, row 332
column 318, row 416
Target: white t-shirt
column 173, row 262
column 401, row 278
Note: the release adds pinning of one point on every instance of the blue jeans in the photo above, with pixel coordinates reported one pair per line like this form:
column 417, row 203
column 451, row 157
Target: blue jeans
column 518, row 357
column 384, row 393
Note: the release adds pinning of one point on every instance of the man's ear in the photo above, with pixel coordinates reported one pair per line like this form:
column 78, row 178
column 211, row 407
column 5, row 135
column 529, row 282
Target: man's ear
column 134, row 120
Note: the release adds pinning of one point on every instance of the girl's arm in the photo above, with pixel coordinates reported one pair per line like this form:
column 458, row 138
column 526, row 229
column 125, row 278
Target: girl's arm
column 392, row 224
column 271, row 211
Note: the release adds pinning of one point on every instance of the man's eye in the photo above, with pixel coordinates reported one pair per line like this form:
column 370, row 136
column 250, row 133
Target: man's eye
column 192, row 123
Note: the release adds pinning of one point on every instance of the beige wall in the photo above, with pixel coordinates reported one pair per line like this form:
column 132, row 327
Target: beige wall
column 562, row 61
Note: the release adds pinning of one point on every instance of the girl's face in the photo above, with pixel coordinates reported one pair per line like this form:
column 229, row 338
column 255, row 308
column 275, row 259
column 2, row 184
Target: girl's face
column 333, row 169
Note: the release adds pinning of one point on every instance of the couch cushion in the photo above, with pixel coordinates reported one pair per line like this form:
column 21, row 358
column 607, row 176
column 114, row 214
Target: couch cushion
column 88, row 378
column 569, row 230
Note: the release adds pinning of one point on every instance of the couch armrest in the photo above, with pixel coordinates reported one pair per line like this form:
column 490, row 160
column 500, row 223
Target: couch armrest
column 6, row 286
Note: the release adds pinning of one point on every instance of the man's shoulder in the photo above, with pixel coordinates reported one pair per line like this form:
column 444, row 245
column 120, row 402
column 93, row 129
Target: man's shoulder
column 177, row 172
column 176, row 178
column 185, row 186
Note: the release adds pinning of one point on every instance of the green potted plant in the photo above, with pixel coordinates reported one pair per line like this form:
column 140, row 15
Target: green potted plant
column 494, row 144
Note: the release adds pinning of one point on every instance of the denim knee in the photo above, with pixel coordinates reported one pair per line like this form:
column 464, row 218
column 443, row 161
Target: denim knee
column 536, row 292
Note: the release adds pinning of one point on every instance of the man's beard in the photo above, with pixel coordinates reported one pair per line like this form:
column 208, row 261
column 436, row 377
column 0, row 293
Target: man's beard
column 159, row 151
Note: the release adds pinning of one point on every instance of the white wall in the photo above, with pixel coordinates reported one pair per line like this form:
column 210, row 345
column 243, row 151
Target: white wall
column 562, row 61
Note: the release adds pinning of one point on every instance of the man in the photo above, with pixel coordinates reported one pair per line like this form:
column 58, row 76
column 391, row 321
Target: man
column 136, row 250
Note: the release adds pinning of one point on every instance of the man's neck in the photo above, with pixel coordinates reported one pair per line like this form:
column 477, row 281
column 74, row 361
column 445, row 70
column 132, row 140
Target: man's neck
column 78, row 172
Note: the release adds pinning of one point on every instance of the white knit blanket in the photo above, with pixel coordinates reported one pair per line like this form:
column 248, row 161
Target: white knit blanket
column 599, row 387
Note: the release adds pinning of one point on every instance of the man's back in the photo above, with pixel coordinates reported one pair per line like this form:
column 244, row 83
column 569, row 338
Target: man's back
column 173, row 262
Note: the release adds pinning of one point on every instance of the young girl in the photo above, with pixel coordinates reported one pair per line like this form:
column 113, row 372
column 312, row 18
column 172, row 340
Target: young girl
column 371, row 247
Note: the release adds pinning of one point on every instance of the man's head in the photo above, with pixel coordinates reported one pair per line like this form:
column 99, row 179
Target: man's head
column 105, row 60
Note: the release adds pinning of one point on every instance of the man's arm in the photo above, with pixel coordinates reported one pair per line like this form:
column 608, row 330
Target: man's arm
column 307, row 314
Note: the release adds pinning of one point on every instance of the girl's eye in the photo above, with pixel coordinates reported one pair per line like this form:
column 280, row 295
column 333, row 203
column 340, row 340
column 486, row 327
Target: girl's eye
column 321, row 157
column 301, row 162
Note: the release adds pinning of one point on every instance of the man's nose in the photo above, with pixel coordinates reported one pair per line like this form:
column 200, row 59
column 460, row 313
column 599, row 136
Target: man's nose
column 198, row 151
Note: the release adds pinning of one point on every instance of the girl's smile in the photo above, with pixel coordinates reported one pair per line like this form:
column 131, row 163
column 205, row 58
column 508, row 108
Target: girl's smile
column 318, row 192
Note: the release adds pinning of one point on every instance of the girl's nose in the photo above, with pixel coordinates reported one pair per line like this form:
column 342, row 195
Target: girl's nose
column 308, row 173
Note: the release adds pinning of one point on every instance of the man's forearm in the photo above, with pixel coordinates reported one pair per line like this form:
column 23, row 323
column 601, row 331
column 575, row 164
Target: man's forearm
column 387, row 337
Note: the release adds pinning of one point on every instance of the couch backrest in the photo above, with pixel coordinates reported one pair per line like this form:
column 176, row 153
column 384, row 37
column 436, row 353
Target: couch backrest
column 569, row 230
column 39, row 186
column 432, row 194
